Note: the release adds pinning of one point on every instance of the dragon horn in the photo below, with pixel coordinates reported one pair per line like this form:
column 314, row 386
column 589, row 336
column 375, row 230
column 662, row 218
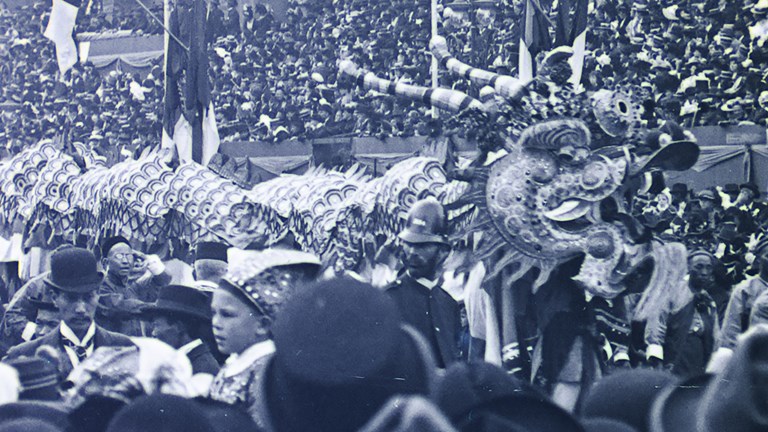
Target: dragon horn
column 506, row 86
column 450, row 100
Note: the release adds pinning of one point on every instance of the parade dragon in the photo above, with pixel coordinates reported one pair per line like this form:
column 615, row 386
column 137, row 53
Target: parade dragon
column 551, row 182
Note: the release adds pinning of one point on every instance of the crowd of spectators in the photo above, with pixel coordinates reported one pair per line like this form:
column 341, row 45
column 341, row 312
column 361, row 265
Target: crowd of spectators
column 725, row 221
column 703, row 62
column 274, row 80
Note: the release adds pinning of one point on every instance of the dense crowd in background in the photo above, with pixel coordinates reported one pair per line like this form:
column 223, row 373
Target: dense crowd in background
column 276, row 80
column 726, row 221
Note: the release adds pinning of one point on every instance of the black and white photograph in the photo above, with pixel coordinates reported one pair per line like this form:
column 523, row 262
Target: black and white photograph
column 383, row 216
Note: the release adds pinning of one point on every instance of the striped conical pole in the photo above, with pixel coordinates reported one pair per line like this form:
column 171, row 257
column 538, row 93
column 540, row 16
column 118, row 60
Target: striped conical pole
column 507, row 86
column 449, row 100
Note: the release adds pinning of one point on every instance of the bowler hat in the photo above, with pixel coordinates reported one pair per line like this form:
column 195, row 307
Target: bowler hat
column 679, row 188
column 426, row 223
column 751, row 186
column 182, row 300
column 731, row 188
column 74, row 270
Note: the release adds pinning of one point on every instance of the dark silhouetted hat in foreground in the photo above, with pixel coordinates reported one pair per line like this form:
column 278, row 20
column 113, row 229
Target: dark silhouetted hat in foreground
column 481, row 397
column 160, row 413
column 626, row 396
column 35, row 410
column 675, row 408
column 735, row 399
column 225, row 417
column 95, row 413
column 606, row 425
column 28, row 425
column 341, row 352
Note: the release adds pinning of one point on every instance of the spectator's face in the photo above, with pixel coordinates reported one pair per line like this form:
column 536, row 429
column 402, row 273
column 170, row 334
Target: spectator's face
column 746, row 195
column 76, row 309
column 701, row 271
column 167, row 331
column 236, row 325
column 120, row 260
column 45, row 321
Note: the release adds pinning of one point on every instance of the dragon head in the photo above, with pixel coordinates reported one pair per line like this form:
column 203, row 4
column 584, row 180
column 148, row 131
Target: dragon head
column 559, row 191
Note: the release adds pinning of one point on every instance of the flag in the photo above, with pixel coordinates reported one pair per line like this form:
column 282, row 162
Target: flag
column 189, row 123
column 572, row 31
column 534, row 38
column 197, row 92
column 59, row 30
column 176, row 129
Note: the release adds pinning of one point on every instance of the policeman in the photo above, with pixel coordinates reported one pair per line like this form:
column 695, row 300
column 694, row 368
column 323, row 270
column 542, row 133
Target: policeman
column 418, row 291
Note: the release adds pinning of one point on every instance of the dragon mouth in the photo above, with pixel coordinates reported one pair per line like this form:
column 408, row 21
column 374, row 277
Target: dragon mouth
column 571, row 215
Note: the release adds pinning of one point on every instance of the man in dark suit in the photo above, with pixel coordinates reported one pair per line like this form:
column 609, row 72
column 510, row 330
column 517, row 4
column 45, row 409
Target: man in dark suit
column 73, row 282
column 179, row 318
column 422, row 301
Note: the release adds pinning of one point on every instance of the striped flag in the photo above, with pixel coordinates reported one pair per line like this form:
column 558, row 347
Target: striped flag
column 189, row 123
column 572, row 31
column 59, row 30
column 534, row 38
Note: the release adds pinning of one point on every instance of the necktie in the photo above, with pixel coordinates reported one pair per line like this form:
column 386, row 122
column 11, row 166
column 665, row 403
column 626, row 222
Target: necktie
column 80, row 350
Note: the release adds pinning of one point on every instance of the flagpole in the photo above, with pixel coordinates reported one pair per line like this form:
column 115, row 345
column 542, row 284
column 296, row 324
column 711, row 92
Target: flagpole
column 434, row 65
column 162, row 24
column 197, row 70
